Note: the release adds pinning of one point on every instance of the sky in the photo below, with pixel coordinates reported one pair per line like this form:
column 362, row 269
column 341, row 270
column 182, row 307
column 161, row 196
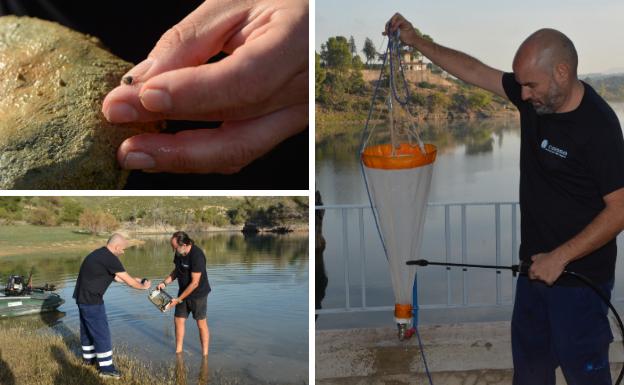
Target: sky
column 486, row 29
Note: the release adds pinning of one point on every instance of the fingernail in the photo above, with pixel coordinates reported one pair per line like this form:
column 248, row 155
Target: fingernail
column 121, row 113
column 137, row 72
column 156, row 100
column 138, row 161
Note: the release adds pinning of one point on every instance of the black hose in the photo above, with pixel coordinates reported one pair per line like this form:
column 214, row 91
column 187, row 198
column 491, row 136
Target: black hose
column 523, row 268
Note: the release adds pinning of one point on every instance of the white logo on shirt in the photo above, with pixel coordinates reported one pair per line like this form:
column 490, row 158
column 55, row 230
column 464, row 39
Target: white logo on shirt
column 554, row 150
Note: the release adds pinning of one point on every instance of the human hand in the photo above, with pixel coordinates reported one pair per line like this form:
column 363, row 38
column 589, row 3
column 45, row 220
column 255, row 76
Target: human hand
column 173, row 303
column 161, row 286
column 398, row 22
column 546, row 267
column 260, row 90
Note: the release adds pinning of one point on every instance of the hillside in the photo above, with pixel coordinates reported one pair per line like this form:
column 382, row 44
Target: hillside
column 433, row 96
column 610, row 87
column 101, row 214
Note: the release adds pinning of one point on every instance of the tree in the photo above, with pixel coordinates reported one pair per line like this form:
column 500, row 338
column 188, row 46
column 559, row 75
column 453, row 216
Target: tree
column 97, row 221
column 42, row 216
column 479, row 99
column 236, row 216
column 319, row 75
column 108, row 222
column 352, row 47
column 438, row 101
column 88, row 220
column 71, row 211
column 335, row 54
column 357, row 63
column 369, row 51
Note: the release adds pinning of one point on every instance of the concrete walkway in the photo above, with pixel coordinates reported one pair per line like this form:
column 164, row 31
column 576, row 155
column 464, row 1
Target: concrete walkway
column 466, row 354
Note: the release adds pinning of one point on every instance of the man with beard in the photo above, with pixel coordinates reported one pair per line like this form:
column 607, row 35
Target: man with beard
column 190, row 271
column 571, row 202
column 96, row 273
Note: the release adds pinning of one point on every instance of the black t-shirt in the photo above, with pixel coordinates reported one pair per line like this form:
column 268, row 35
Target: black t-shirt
column 193, row 262
column 96, row 273
column 568, row 163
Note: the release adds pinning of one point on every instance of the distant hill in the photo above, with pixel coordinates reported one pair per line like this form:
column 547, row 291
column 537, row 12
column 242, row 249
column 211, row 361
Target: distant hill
column 610, row 87
column 152, row 211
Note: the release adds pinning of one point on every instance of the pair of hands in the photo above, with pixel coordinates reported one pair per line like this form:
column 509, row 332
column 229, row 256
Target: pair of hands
column 173, row 302
column 260, row 91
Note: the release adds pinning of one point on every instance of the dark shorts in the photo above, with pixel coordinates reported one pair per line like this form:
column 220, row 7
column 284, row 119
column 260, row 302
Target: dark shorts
column 560, row 326
column 197, row 306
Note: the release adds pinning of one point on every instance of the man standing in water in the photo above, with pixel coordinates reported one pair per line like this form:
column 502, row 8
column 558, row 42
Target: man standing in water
column 97, row 272
column 190, row 271
column 571, row 202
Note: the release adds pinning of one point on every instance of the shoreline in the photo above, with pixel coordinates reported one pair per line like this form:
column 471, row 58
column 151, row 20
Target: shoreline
column 92, row 241
column 326, row 122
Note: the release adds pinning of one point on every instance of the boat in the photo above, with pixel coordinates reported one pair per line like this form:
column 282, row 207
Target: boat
column 18, row 299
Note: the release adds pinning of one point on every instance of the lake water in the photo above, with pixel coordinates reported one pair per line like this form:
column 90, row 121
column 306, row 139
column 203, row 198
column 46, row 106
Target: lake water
column 476, row 162
column 257, row 310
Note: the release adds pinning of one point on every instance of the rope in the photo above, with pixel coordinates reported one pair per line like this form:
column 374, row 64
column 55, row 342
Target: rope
column 392, row 57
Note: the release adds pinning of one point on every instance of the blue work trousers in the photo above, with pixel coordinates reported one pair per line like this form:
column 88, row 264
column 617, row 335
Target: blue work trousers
column 95, row 336
column 560, row 326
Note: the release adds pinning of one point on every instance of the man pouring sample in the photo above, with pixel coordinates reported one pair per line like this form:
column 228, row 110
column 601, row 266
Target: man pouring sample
column 97, row 272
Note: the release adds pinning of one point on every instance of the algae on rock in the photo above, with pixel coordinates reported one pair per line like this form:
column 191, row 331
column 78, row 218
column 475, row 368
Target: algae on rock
column 52, row 131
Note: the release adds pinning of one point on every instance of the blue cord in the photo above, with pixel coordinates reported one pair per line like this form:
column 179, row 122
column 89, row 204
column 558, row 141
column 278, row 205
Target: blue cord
column 422, row 352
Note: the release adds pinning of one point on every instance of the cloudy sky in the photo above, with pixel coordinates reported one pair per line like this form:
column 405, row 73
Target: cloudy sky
column 490, row 30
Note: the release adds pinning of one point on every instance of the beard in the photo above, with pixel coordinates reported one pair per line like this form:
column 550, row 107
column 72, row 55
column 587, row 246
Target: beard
column 552, row 101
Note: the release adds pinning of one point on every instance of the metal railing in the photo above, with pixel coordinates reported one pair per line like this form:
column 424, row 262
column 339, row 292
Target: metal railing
column 346, row 208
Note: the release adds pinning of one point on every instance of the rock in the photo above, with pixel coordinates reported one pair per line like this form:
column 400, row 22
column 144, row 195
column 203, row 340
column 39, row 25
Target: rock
column 250, row 228
column 52, row 131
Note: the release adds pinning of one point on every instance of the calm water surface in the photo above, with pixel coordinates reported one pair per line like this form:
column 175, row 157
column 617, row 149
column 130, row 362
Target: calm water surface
column 476, row 162
column 257, row 310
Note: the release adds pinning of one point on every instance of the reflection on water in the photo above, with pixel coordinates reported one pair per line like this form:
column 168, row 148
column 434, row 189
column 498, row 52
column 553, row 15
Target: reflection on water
column 477, row 162
column 472, row 158
column 257, row 310
column 181, row 372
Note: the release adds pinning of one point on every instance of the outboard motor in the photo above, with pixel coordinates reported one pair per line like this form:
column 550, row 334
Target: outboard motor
column 15, row 285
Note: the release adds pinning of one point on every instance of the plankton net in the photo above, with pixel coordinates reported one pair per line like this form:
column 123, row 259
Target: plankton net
column 397, row 168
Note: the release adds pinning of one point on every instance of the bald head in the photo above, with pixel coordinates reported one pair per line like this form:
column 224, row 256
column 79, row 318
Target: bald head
column 117, row 239
column 117, row 244
column 546, row 49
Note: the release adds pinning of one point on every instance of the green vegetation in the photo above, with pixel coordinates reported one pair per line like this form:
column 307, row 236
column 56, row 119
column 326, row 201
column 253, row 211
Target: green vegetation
column 342, row 94
column 42, row 242
column 31, row 234
column 32, row 354
column 339, row 74
column 609, row 87
column 105, row 214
